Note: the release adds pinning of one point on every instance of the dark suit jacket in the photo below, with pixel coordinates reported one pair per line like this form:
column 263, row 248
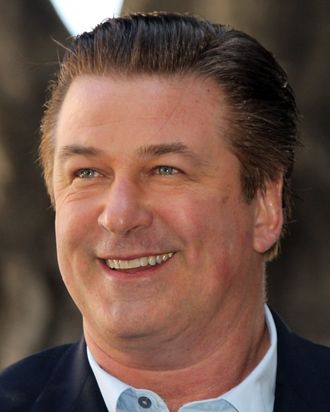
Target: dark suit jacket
column 61, row 380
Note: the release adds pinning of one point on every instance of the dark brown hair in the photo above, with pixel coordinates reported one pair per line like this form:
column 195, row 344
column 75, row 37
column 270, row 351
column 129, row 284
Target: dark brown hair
column 263, row 131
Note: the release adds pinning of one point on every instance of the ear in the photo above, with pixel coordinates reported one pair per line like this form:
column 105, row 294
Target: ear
column 268, row 216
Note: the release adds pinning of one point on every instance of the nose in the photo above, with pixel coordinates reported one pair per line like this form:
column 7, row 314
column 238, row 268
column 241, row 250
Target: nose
column 124, row 208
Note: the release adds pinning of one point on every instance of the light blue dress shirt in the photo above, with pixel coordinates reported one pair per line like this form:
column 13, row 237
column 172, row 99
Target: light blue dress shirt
column 256, row 393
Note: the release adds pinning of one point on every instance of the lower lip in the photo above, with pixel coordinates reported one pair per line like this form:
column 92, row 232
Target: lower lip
column 130, row 274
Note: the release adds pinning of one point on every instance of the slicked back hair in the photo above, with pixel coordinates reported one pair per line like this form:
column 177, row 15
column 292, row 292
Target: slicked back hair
column 263, row 132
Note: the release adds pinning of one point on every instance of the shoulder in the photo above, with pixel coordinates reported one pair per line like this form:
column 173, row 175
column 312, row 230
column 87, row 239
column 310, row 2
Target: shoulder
column 295, row 349
column 314, row 351
column 304, row 357
column 22, row 382
column 303, row 372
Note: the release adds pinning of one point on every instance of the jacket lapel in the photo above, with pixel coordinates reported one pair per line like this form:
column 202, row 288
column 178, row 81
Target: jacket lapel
column 72, row 386
column 293, row 388
column 287, row 400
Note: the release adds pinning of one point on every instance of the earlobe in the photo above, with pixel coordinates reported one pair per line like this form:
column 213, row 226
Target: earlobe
column 268, row 216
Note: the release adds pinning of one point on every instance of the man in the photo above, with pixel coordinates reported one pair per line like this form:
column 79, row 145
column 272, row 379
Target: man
column 167, row 146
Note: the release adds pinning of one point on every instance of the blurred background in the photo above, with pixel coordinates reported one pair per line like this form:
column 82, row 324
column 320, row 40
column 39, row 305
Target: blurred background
column 35, row 310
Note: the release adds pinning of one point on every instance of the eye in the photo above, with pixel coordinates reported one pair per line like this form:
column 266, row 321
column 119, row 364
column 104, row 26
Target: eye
column 87, row 173
column 166, row 170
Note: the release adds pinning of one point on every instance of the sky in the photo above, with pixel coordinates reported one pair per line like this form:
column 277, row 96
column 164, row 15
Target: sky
column 83, row 15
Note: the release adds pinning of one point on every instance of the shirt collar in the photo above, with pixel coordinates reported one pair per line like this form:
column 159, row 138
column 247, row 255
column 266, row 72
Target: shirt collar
column 256, row 393
column 110, row 387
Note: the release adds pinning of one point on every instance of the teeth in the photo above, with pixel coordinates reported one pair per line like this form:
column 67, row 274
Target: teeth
column 139, row 262
column 152, row 260
column 142, row 262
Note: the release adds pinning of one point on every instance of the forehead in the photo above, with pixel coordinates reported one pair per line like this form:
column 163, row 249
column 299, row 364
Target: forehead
column 145, row 108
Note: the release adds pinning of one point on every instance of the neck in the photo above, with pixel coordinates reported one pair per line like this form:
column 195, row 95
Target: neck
column 202, row 371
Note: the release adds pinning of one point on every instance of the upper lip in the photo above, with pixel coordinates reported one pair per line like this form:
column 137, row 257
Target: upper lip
column 134, row 256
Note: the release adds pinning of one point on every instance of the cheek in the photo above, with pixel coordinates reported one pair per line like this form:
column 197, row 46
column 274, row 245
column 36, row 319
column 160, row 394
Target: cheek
column 73, row 221
column 217, row 232
column 209, row 219
column 73, row 238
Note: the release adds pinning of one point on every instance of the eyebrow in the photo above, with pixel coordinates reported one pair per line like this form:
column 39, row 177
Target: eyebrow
column 150, row 151
column 69, row 151
column 158, row 150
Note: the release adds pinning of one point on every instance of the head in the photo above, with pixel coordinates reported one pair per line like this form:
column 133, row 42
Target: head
column 166, row 144
column 261, row 103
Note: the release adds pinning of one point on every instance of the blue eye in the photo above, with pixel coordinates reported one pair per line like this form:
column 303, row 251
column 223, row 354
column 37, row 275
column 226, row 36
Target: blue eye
column 166, row 170
column 87, row 173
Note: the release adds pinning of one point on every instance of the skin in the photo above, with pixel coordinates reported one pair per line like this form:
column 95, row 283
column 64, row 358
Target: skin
column 142, row 167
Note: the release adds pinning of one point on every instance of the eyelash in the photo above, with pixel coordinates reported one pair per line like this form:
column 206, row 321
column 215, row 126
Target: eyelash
column 89, row 173
column 86, row 173
column 167, row 170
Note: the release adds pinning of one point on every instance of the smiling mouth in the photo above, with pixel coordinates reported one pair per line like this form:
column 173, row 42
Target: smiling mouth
column 138, row 262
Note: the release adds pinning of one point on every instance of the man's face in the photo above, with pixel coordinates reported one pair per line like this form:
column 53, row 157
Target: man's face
column 154, row 236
